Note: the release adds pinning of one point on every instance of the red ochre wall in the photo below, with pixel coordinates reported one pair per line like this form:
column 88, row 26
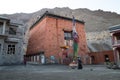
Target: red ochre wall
column 99, row 56
column 48, row 36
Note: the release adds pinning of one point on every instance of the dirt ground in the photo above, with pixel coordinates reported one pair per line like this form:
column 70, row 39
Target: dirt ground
column 57, row 72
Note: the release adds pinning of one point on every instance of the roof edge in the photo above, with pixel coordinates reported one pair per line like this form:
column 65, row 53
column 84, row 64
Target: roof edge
column 114, row 28
column 54, row 15
column 4, row 18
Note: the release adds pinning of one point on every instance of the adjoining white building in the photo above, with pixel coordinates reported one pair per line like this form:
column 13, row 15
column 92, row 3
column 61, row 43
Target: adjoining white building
column 11, row 42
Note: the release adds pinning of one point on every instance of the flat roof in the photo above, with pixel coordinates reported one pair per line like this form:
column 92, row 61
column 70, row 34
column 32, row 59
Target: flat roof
column 4, row 18
column 54, row 15
column 114, row 28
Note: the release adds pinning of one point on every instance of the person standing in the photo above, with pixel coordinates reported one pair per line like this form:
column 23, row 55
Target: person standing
column 79, row 63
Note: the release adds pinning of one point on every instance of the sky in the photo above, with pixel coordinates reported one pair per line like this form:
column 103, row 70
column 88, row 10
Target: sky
column 29, row 6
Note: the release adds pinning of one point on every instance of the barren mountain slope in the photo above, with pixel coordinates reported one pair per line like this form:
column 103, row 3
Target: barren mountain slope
column 95, row 20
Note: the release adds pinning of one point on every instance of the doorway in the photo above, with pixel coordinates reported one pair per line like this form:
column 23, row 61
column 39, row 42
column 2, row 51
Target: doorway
column 42, row 57
column 106, row 58
column 92, row 59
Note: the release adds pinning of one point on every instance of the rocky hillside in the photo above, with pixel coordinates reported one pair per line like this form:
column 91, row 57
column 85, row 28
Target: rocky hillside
column 98, row 20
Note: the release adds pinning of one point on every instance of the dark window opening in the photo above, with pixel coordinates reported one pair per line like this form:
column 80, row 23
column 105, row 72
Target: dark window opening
column 1, row 23
column 68, row 35
column 12, row 31
column 11, row 49
column 68, row 38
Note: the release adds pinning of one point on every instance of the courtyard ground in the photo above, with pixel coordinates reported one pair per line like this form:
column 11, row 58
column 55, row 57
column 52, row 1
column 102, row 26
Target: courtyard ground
column 57, row 72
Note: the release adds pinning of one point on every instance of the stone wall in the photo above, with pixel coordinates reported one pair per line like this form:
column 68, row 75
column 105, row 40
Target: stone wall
column 18, row 41
column 101, row 35
column 99, row 41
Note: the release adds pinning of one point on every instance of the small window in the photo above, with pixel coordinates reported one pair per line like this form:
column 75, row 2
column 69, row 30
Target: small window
column 68, row 38
column 11, row 49
column 118, row 37
column 12, row 31
column 68, row 35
